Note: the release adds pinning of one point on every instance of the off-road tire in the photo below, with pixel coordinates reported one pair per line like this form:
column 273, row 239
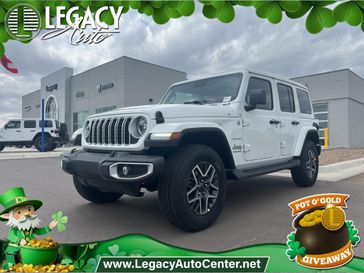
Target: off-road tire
column 48, row 143
column 304, row 175
column 173, row 193
column 53, row 147
column 94, row 195
column 2, row 147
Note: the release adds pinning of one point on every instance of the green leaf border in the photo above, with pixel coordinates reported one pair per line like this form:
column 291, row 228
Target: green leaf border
column 319, row 14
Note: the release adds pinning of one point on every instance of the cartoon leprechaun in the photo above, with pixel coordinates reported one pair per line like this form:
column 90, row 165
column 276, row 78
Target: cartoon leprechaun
column 22, row 219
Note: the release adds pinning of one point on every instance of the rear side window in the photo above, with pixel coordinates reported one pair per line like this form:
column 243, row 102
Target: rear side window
column 304, row 102
column 265, row 86
column 30, row 124
column 47, row 124
column 286, row 100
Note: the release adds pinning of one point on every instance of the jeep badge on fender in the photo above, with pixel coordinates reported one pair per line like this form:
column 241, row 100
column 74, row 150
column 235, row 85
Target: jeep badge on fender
column 234, row 125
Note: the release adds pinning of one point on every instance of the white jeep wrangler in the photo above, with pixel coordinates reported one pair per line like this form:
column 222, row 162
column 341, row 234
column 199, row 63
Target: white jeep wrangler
column 203, row 132
column 28, row 132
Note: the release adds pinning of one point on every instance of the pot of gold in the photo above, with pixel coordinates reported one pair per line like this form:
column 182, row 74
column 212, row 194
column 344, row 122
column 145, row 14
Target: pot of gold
column 39, row 252
column 322, row 230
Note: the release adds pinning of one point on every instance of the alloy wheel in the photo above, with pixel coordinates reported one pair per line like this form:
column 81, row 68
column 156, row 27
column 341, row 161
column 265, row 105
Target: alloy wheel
column 202, row 188
column 311, row 164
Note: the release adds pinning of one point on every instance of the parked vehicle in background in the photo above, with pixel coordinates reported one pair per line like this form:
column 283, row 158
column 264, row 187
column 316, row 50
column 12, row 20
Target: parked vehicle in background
column 28, row 132
column 76, row 138
column 204, row 131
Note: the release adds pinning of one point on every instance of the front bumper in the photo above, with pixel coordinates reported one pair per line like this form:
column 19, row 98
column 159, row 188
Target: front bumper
column 116, row 172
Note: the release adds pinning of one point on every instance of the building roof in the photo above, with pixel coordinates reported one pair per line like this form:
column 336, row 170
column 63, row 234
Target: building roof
column 329, row 72
column 133, row 59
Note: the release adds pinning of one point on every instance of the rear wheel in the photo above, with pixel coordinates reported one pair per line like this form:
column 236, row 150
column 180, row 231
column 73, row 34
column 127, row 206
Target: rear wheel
column 2, row 147
column 20, row 146
column 53, row 147
column 48, row 143
column 94, row 195
column 29, row 146
column 192, row 190
column 306, row 174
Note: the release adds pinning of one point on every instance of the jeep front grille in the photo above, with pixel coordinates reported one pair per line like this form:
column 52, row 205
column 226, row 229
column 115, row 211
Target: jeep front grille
column 110, row 131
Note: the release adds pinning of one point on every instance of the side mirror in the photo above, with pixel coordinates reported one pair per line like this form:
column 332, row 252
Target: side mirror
column 6, row 126
column 254, row 98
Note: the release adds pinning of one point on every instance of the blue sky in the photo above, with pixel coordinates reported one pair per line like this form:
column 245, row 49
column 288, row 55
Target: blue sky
column 194, row 44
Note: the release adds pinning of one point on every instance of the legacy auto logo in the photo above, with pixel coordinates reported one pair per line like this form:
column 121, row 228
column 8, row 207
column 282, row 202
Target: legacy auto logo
column 23, row 23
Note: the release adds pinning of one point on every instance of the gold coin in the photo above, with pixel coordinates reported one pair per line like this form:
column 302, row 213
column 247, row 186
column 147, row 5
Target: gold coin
column 333, row 218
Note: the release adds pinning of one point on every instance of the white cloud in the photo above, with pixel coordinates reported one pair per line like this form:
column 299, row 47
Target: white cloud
column 195, row 45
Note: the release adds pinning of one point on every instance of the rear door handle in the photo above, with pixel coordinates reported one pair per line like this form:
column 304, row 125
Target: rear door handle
column 295, row 122
column 18, row 131
column 274, row 121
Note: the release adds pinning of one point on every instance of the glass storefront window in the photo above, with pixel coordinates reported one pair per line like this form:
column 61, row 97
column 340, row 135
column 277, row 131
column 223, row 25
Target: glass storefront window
column 79, row 119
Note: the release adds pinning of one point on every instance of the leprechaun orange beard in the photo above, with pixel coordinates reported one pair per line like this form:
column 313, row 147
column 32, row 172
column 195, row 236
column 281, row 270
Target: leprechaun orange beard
column 24, row 223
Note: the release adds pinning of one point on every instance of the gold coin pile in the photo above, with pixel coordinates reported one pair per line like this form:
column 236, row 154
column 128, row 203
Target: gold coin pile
column 45, row 243
column 311, row 219
column 40, row 268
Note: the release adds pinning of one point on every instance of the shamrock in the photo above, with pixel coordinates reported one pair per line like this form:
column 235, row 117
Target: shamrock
column 353, row 233
column 294, row 247
column 61, row 219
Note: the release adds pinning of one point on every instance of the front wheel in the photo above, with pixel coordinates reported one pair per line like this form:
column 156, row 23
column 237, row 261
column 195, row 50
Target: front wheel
column 306, row 174
column 94, row 195
column 192, row 190
column 29, row 146
column 2, row 147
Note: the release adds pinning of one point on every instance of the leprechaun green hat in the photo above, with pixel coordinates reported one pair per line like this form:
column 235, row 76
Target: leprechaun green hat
column 15, row 197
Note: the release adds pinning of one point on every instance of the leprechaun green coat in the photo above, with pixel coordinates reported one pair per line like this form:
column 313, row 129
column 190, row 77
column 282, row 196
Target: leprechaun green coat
column 16, row 235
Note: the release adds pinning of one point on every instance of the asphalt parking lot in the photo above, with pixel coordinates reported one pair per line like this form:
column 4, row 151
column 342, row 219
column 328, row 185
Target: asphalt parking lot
column 255, row 211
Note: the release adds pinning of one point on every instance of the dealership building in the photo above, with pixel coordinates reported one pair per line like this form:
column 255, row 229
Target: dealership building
column 122, row 82
column 338, row 96
column 338, row 103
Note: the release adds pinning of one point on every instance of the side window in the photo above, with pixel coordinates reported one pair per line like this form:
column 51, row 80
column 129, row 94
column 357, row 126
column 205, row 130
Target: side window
column 259, row 85
column 30, row 124
column 286, row 100
column 47, row 124
column 13, row 124
column 304, row 102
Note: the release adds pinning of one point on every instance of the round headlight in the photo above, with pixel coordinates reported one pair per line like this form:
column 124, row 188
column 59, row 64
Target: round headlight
column 86, row 129
column 142, row 125
column 138, row 127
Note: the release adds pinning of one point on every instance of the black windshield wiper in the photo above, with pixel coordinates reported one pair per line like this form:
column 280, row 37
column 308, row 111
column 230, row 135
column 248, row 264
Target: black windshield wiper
column 201, row 102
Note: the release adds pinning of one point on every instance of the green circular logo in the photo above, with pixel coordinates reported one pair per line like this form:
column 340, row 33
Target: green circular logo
column 23, row 22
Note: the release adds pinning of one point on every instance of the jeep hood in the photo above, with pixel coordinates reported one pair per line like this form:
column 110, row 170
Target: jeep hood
column 173, row 110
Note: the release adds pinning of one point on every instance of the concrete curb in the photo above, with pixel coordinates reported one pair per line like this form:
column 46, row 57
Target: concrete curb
column 30, row 153
column 335, row 172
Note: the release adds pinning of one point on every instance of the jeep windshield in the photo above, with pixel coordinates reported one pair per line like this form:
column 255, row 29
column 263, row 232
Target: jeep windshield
column 211, row 90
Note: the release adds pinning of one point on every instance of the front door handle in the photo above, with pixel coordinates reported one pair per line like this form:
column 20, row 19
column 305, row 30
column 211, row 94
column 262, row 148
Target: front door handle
column 18, row 131
column 274, row 121
column 295, row 122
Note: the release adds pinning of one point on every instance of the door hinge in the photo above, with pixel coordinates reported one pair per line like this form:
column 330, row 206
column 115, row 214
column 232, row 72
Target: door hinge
column 246, row 122
column 246, row 148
